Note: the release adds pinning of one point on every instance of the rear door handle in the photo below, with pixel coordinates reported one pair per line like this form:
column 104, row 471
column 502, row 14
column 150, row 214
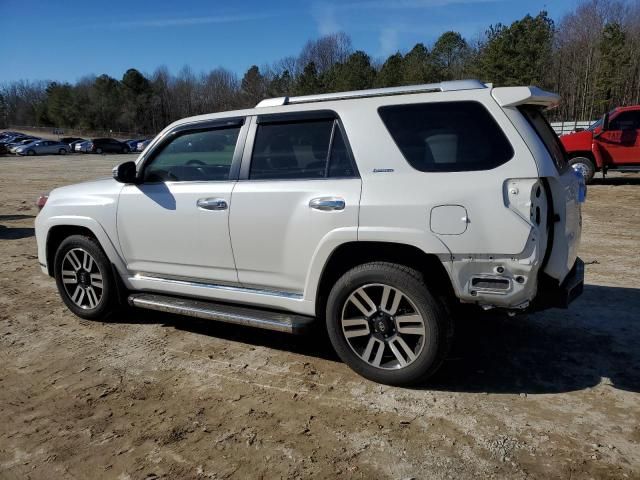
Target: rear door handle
column 212, row 204
column 327, row 203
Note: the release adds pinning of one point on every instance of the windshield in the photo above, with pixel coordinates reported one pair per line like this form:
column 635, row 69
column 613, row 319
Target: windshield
column 538, row 121
column 595, row 125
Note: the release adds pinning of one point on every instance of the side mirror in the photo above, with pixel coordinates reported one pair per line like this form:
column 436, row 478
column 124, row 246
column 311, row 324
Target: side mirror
column 125, row 172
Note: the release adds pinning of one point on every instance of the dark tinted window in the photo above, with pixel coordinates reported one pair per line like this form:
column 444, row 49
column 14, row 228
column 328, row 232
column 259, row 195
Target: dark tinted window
column 300, row 150
column 195, row 156
column 447, row 136
column 548, row 136
column 626, row 121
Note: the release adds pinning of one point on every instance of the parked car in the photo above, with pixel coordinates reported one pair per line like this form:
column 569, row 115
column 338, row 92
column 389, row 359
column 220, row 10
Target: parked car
column 14, row 139
column 43, row 147
column 69, row 141
column 12, row 147
column 143, row 144
column 133, row 143
column 83, row 146
column 376, row 212
column 611, row 143
column 108, row 145
column 72, row 145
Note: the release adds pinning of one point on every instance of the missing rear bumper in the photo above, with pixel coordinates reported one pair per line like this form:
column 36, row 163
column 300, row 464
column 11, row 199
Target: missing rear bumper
column 552, row 294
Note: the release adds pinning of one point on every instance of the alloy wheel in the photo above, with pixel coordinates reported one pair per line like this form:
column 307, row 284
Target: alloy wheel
column 383, row 326
column 82, row 278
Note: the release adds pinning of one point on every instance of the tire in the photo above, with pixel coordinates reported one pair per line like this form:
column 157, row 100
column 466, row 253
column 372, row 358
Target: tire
column 98, row 150
column 584, row 166
column 62, row 151
column 30, row 152
column 86, row 294
column 424, row 331
column 125, row 150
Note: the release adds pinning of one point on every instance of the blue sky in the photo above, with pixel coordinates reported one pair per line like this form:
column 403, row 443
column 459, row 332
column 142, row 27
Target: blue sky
column 65, row 40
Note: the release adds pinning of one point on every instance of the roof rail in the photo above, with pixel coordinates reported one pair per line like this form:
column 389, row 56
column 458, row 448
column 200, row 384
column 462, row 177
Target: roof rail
column 375, row 92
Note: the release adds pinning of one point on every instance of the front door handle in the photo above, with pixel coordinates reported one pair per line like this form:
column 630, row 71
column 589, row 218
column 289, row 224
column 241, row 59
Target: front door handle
column 326, row 204
column 212, row 204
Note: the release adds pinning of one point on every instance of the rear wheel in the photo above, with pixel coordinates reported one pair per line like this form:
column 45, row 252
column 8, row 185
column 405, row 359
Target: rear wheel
column 386, row 325
column 125, row 150
column 84, row 278
column 584, row 166
column 98, row 150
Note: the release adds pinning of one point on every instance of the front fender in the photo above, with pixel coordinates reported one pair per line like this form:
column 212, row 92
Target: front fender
column 44, row 226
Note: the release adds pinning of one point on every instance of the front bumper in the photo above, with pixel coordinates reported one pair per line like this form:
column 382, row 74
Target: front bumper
column 553, row 294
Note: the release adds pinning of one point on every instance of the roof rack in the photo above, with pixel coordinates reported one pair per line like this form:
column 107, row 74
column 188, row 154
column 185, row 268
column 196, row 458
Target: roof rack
column 375, row 92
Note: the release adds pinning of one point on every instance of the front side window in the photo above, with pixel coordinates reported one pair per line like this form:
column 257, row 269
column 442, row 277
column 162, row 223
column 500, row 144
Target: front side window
column 300, row 150
column 203, row 155
column 447, row 136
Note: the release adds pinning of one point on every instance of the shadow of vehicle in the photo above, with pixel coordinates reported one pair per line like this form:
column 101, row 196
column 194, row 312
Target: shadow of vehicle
column 554, row 351
column 616, row 181
column 4, row 218
column 15, row 233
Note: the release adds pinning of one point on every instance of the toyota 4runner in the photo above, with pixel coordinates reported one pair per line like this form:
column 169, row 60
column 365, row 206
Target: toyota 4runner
column 373, row 212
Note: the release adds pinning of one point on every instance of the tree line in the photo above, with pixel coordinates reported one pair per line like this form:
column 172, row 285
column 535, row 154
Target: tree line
column 591, row 57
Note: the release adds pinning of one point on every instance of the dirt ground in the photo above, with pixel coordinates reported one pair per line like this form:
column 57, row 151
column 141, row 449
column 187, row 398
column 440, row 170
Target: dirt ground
column 549, row 395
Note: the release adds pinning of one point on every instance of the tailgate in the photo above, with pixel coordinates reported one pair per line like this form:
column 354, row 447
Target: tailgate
column 568, row 192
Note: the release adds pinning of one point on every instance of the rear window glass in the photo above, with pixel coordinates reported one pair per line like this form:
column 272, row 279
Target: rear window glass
column 447, row 136
column 300, row 150
column 538, row 121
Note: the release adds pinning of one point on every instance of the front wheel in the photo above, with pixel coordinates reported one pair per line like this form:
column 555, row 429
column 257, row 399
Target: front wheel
column 31, row 152
column 84, row 278
column 62, row 151
column 125, row 150
column 386, row 325
column 584, row 166
column 98, row 150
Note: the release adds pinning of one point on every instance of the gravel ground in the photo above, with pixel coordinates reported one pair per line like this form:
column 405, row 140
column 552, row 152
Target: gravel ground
column 550, row 395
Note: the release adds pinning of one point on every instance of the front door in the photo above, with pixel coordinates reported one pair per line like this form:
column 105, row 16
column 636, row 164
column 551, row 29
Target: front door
column 621, row 142
column 298, row 189
column 175, row 224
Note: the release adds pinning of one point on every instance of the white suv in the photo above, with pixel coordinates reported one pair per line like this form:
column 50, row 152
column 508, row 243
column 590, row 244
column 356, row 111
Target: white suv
column 375, row 212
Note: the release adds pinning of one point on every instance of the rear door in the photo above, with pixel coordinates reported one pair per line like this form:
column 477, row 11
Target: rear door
column 298, row 186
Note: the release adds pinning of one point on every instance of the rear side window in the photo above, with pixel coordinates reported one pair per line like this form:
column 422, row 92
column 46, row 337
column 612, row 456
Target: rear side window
column 308, row 149
column 546, row 133
column 626, row 121
column 195, row 156
column 447, row 136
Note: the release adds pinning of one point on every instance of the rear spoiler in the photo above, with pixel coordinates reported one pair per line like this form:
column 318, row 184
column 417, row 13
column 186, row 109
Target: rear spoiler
column 515, row 96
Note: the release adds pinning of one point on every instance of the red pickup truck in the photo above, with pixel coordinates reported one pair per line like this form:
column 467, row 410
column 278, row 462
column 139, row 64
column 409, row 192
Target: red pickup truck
column 611, row 143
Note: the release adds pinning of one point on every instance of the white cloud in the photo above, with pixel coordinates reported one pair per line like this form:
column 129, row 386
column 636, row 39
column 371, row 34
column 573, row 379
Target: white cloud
column 186, row 21
column 388, row 41
column 325, row 16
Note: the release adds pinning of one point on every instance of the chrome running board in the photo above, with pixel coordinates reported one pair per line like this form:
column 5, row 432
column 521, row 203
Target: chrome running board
column 254, row 317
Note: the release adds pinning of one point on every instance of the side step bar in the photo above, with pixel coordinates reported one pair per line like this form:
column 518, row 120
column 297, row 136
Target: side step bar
column 254, row 317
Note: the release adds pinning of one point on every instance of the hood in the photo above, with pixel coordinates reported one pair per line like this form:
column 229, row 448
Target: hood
column 577, row 141
column 93, row 188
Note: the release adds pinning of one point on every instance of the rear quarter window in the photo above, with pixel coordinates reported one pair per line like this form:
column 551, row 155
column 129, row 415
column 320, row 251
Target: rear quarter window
column 545, row 132
column 447, row 136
